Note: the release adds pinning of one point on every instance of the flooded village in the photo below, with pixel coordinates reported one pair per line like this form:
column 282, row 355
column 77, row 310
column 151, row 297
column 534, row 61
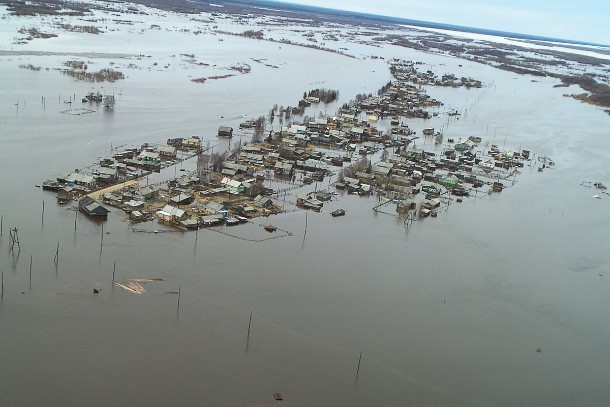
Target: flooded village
column 244, row 204
column 349, row 152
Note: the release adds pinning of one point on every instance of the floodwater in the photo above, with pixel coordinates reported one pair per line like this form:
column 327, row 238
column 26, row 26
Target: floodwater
column 500, row 301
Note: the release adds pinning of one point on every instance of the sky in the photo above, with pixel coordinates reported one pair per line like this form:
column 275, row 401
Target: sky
column 581, row 20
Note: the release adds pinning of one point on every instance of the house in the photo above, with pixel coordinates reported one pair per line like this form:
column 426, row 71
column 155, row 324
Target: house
column 238, row 168
column 166, row 151
column 193, row 142
column 216, row 208
column 262, row 201
column 380, row 170
column 224, row 131
column 323, row 195
column 176, row 142
column 234, row 187
column 283, row 168
column 78, row 178
column 136, row 216
column 91, row 207
column 107, row 175
column 351, row 181
column 149, row 192
column 134, row 205
column 181, row 199
column 228, row 172
column 149, row 156
column 431, row 203
column 307, row 202
column 171, row 214
column 365, row 176
column 211, row 220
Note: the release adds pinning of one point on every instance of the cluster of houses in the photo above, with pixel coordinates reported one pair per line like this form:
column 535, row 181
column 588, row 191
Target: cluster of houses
column 406, row 71
column 416, row 180
column 191, row 202
column 407, row 172
column 125, row 165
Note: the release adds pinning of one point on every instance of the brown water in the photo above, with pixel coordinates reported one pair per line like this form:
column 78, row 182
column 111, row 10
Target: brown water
column 449, row 312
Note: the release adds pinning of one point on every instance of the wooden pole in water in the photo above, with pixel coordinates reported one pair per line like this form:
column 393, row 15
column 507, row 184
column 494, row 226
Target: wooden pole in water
column 31, row 257
column 2, row 281
column 102, row 238
column 179, row 293
column 56, row 260
column 75, row 216
column 113, row 271
column 1, row 224
column 359, row 360
column 43, row 211
column 249, row 325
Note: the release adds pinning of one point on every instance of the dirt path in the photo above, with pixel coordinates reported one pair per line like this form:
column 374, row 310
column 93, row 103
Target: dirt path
column 98, row 194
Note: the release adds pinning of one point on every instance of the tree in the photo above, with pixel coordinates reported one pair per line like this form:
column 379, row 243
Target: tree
column 257, row 137
column 385, row 155
column 218, row 161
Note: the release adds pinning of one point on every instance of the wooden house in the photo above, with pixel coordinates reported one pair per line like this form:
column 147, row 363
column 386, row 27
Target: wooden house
column 224, row 131
column 91, row 207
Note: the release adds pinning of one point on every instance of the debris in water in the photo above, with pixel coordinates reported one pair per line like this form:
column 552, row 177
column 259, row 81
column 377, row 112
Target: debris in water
column 134, row 285
column 538, row 350
column 278, row 396
column 96, row 290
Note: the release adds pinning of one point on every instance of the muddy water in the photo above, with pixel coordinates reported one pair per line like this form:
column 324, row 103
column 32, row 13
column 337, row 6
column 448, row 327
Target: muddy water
column 449, row 312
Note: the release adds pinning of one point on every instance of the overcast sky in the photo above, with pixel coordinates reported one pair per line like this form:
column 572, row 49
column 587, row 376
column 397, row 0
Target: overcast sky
column 584, row 20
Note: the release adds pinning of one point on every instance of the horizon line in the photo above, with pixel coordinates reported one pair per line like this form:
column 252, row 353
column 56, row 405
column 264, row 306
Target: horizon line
column 437, row 25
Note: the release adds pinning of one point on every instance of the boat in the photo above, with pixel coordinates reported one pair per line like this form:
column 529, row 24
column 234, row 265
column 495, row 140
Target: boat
column 338, row 212
column 270, row 228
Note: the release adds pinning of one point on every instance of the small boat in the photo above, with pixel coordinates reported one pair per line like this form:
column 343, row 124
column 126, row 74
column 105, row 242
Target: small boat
column 270, row 228
column 338, row 212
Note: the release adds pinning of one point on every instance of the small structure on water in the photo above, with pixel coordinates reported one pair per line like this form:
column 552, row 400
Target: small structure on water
column 338, row 212
column 224, row 131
